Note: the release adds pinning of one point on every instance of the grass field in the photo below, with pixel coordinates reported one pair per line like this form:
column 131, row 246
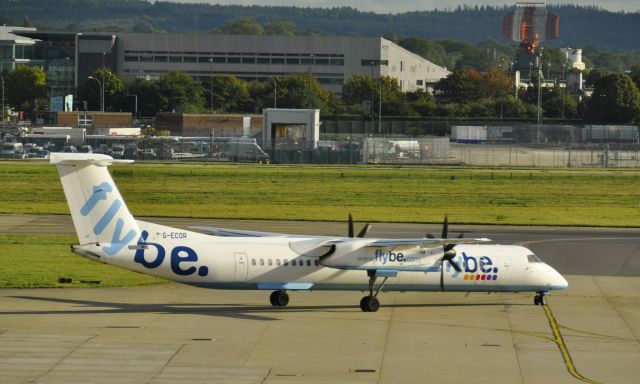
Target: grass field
column 370, row 193
column 38, row 261
column 581, row 198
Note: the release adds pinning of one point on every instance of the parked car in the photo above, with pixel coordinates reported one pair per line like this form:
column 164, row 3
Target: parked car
column 85, row 149
column 148, row 154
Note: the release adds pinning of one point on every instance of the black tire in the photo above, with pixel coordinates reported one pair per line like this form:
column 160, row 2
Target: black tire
column 536, row 300
column 279, row 298
column 282, row 299
column 369, row 304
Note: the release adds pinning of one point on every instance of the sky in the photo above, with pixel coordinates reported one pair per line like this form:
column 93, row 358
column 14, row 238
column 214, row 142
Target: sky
column 400, row 6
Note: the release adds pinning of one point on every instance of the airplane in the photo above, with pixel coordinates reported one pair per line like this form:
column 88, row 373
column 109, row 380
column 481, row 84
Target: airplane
column 237, row 259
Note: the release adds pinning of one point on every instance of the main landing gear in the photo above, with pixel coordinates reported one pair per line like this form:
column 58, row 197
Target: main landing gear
column 540, row 299
column 370, row 303
column 279, row 298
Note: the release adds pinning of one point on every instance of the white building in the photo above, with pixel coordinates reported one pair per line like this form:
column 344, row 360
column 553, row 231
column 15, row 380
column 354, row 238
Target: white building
column 331, row 59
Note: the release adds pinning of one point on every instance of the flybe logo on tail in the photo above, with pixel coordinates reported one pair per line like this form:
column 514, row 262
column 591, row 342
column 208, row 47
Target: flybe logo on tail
column 100, row 192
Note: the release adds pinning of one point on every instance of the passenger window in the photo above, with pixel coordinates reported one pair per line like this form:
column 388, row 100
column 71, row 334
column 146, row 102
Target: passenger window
column 533, row 259
column 277, row 261
column 308, row 263
column 317, row 262
column 261, row 261
column 286, row 262
column 270, row 262
column 302, row 263
column 293, row 262
column 253, row 261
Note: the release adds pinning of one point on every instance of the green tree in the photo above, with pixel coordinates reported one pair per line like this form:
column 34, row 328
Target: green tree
column 615, row 99
column 180, row 93
column 293, row 92
column 229, row 93
column 25, row 87
column 459, row 87
column 243, row 25
column 635, row 74
column 90, row 90
column 148, row 97
column 280, row 27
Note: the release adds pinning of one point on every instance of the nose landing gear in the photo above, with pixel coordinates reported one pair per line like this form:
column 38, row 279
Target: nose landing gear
column 540, row 299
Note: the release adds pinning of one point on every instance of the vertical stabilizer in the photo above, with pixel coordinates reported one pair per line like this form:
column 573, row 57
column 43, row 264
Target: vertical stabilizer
column 99, row 213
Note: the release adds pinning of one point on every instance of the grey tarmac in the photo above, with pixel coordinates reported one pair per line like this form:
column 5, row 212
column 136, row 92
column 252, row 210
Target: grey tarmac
column 177, row 334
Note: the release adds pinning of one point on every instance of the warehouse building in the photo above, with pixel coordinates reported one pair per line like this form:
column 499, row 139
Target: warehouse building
column 331, row 59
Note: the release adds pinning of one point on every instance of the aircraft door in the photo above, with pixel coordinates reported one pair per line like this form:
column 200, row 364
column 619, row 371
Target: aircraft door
column 241, row 267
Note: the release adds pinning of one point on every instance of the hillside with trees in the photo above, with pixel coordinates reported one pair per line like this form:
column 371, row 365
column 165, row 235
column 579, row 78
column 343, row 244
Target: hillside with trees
column 579, row 26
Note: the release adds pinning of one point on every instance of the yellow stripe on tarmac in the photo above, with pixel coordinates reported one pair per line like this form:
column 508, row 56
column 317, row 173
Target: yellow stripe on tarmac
column 557, row 338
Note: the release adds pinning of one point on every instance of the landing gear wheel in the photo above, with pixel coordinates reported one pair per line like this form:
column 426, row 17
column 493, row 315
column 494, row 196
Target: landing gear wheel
column 369, row 304
column 540, row 299
column 279, row 298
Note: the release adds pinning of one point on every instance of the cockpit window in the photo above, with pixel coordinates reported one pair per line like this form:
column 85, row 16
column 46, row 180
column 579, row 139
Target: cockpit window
column 533, row 259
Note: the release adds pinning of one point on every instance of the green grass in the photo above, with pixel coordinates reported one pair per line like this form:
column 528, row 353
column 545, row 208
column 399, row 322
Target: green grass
column 370, row 193
column 38, row 261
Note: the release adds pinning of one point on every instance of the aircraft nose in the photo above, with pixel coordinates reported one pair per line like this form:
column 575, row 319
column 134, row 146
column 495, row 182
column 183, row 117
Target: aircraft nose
column 558, row 281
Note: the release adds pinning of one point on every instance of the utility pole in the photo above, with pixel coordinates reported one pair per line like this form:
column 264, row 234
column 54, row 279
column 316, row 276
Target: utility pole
column 310, row 60
column 211, row 83
column 275, row 93
column 101, row 92
column 2, row 78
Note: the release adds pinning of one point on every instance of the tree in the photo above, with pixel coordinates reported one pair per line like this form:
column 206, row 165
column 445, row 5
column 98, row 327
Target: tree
column 243, row 25
column 180, row 93
column 26, row 87
column 280, row 27
column 458, row 87
column 293, row 92
column 229, row 93
column 615, row 99
column 148, row 96
column 90, row 90
column 635, row 74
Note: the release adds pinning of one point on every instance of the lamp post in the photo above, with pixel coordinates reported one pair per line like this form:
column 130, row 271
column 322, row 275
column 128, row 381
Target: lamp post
column 275, row 93
column 101, row 92
column 211, row 83
column 310, row 60
column 564, row 66
column 135, row 106
column 2, row 78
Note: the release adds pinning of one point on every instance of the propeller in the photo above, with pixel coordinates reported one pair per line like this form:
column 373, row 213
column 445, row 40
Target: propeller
column 448, row 249
column 362, row 232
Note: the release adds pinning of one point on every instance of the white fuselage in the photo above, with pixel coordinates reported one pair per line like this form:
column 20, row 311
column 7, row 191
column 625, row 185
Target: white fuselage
column 273, row 263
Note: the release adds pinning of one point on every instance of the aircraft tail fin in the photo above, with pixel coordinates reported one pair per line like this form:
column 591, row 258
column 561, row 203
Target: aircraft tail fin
column 99, row 213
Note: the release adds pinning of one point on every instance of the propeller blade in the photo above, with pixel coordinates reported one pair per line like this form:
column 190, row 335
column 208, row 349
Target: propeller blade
column 445, row 227
column 455, row 265
column 350, row 230
column 364, row 230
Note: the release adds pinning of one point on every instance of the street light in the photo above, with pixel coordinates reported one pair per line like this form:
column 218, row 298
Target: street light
column 2, row 78
column 310, row 60
column 135, row 108
column 211, row 83
column 275, row 93
column 101, row 92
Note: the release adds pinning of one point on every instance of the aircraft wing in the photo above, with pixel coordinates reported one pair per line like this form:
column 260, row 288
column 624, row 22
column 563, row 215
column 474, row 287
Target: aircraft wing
column 424, row 243
column 228, row 232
